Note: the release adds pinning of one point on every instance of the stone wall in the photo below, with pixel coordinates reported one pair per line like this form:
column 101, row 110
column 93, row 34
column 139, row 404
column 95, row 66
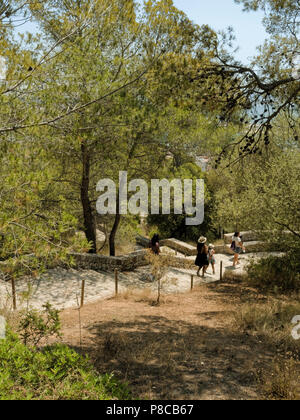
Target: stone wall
column 175, row 244
column 180, row 246
column 251, row 242
column 125, row 262
column 247, row 237
column 180, row 262
column 104, row 263
column 141, row 240
column 139, row 258
column 251, row 236
column 252, row 246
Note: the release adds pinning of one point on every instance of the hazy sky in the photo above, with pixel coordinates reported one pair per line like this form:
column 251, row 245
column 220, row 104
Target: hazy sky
column 219, row 14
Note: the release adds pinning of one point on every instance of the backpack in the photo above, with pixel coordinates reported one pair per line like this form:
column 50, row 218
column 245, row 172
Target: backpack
column 232, row 246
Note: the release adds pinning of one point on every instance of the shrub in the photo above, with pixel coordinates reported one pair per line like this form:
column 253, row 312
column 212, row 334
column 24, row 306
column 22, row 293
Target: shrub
column 57, row 372
column 275, row 273
column 34, row 326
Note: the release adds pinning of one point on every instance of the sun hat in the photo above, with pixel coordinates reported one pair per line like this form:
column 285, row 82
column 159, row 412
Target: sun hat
column 211, row 246
column 202, row 240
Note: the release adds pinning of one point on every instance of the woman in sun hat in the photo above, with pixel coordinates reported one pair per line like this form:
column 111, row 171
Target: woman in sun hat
column 202, row 256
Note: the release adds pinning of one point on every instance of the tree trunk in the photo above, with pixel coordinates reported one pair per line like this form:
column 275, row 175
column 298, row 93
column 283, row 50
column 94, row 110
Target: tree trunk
column 112, row 236
column 88, row 217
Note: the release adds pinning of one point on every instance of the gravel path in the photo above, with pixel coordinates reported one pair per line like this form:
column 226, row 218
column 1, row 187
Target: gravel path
column 62, row 288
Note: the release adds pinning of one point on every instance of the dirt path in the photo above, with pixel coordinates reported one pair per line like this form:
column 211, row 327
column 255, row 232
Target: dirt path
column 186, row 348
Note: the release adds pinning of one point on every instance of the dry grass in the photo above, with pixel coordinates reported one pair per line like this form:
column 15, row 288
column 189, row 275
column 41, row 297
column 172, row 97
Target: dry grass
column 12, row 317
column 145, row 295
column 185, row 348
column 149, row 364
column 271, row 320
column 221, row 341
column 281, row 381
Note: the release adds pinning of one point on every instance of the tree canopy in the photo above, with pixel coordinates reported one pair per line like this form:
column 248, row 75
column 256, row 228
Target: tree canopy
column 105, row 86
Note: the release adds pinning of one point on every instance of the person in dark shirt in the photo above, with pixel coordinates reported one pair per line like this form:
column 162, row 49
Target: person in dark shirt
column 154, row 244
column 202, row 256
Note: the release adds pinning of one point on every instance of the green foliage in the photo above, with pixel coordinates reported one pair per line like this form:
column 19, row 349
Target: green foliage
column 56, row 372
column 174, row 225
column 278, row 274
column 122, row 85
column 261, row 194
column 35, row 326
column 35, row 218
column 109, row 77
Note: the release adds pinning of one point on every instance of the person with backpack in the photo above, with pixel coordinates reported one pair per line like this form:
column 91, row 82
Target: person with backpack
column 202, row 256
column 237, row 246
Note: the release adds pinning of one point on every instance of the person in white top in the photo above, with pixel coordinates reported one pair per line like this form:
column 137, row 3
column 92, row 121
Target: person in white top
column 238, row 247
column 211, row 257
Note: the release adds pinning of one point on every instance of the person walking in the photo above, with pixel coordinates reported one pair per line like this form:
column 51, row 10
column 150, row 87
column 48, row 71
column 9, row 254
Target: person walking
column 237, row 246
column 202, row 256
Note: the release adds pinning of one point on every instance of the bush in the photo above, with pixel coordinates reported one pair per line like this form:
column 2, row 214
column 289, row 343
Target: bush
column 280, row 274
column 57, row 372
column 35, row 326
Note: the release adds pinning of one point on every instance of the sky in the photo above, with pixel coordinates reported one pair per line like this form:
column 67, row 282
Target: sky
column 219, row 14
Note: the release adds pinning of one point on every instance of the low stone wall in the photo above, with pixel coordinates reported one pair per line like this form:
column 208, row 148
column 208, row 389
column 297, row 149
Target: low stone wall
column 125, row 262
column 104, row 263
column 128, row 262
column 180, row 246
column 247, row 237
column 179, row 262
column 251, row 236
column 222, row 249
column 253, row 246
column 137, row 259
column 175, row 244
column 141, row 240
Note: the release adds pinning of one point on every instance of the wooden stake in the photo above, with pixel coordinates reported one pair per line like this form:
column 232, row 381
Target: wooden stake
column 221, row 271
column 158, row 291
column 116, row 282
column 192, row 282
column 82, row 293
column 13, row 288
